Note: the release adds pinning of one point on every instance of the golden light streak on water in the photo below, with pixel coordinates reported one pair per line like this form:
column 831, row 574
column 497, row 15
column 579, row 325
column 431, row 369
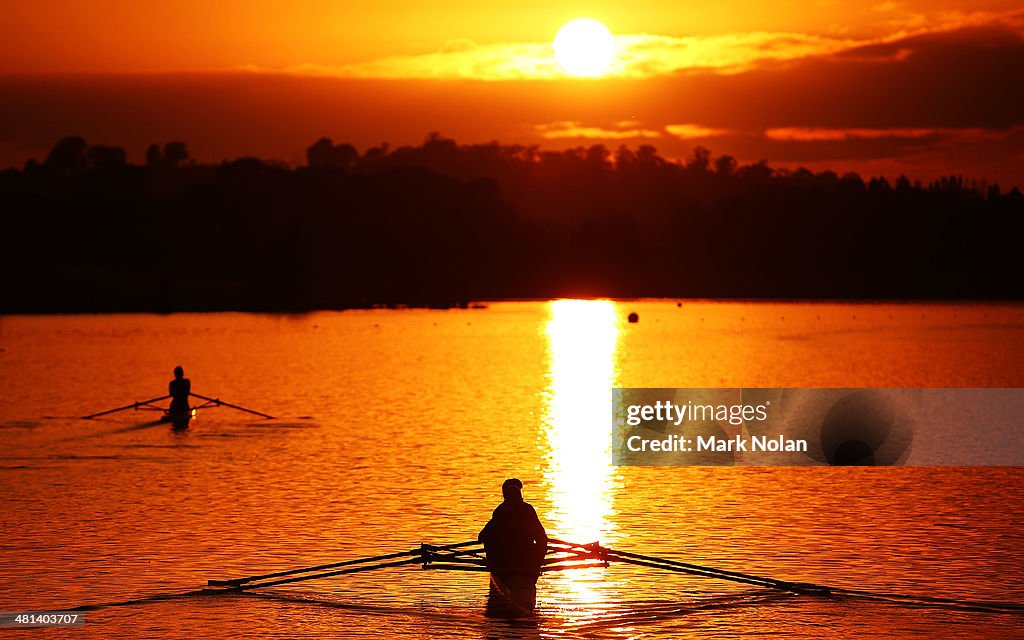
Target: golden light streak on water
column 582, row 337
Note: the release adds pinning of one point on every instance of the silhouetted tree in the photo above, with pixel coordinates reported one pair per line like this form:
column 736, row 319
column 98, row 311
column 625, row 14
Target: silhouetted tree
column 318, row 154
column 67, row 156
column 624, row 156
column 757, row 174
column 725, row 165
column 441, row 223
column 154, row 157
column 878, row 185
column 701, row 160
column 323, row 154
column 599, row 156
column 437, row 146
column 647, row 154
column 175, row 153
column 106, row 158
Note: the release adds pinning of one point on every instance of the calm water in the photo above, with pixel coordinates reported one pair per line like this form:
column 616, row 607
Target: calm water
column 397, row 427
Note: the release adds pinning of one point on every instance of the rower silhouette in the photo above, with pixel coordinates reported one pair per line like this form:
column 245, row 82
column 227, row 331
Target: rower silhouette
column 180, row 389
column 515, row 542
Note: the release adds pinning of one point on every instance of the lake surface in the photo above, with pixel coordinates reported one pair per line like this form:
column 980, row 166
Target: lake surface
column 397, row 427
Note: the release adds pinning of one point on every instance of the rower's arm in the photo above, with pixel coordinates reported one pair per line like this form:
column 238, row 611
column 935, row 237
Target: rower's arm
column 539, row 534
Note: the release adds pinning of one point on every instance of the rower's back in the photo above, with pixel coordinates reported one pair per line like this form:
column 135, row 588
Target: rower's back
column 179, row 389
column 514, row 538
column 515, row 542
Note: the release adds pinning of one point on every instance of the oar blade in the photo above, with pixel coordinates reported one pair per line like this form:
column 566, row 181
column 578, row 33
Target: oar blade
column 134, row 405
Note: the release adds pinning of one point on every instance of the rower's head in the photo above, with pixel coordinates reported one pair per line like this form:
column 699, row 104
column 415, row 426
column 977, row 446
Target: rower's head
column 512, row 489
column 179, row 372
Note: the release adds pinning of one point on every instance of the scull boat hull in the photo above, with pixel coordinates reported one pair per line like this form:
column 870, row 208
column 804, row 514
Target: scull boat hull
column 512, row 596
column 177, row 420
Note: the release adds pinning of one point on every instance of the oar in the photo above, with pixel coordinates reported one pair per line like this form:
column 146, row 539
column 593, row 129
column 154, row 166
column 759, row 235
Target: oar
column 433, row 553
column 694, row 569
column 672, row 565
column 277, row 574
column 624, row 556
column 345, row 563
column 455, row 567
column 723, row 574
column 1000, row 607
column 219, row 402
column 134, row 405
column 329, row 574
column 558, row 567
column 705, row 574
column 794, row 587
column 455, row 559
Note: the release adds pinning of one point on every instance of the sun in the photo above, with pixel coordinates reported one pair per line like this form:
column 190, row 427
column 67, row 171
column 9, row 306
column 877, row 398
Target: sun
column 584, row 47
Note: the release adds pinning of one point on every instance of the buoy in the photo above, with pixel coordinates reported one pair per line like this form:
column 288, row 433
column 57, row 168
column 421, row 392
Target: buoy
column 633, row 318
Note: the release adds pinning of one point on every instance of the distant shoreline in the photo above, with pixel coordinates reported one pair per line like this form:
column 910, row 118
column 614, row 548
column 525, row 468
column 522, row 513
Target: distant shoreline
column 443, row 224
column 483, row 304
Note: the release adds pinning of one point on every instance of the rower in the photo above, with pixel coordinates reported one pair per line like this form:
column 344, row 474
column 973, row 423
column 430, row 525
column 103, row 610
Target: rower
column 180, row 389
column 515, row 542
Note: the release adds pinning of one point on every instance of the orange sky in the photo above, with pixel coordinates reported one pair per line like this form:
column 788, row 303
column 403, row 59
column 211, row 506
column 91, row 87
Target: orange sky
column 192, row 35
column 918, row 87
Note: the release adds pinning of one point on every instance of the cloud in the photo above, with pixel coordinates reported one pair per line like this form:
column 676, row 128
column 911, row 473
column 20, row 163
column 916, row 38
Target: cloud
column 905, row 21
column 965, row 148
column 577, row 130
column 651, row 55
column 637, row 56
column 461, row 59
column 812, row 134
column 689, row 131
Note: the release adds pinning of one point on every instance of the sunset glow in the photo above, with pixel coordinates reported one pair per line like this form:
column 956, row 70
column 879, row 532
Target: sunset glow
column 836, row 85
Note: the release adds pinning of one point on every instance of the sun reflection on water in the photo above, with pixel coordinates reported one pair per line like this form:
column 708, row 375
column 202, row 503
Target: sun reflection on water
column 579, row 477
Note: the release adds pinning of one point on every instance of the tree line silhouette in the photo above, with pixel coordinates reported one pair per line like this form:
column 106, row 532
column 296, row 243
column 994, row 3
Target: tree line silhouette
column 441, row 224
